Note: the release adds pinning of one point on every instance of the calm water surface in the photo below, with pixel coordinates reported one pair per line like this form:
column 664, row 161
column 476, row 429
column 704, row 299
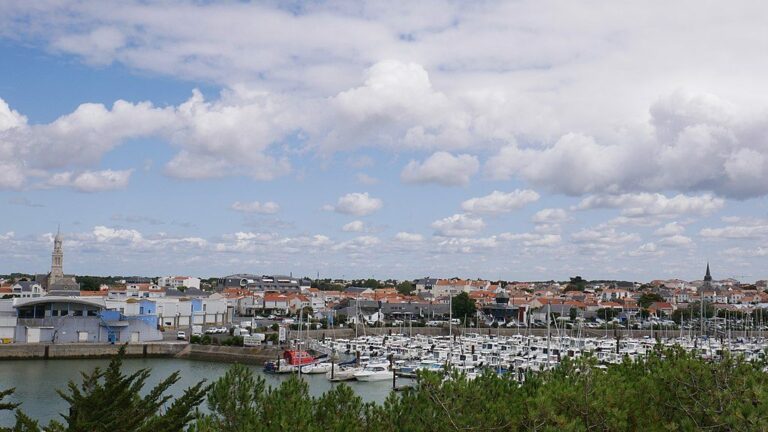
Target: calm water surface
column 36, row 381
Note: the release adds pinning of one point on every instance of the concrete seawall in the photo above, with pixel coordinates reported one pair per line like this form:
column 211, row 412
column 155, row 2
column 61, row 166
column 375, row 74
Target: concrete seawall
column 230, row 354
column 62, row 351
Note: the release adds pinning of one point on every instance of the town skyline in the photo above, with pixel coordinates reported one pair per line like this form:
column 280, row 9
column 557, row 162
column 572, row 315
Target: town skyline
column 404, row 141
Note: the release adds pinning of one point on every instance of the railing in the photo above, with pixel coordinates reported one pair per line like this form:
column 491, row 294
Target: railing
column 317, row 347
column 38, row 322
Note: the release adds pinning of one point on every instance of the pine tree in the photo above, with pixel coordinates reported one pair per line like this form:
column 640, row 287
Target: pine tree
column 110, row 401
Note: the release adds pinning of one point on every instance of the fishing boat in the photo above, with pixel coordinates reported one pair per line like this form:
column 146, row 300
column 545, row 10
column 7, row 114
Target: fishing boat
column 291, row 362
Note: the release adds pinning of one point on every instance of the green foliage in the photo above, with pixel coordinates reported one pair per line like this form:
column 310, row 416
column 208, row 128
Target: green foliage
column 463, row 306
column 7, row 406
column 405, row 288
column 233, row 341
column 576, row 284
column 693, row 311
column 240, row 402
column 647, row 299
column 93, row 283
column 110, row 401
column 607, row 314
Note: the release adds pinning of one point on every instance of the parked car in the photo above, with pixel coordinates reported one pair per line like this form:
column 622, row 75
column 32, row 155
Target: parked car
column 434, row 323
column 455, row 321
column 180, row 335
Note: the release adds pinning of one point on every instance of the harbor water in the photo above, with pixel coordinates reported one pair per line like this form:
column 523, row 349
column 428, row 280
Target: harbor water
column 36, row 381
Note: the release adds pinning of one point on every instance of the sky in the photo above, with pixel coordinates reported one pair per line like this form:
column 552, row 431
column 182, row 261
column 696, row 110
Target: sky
column 517, row 140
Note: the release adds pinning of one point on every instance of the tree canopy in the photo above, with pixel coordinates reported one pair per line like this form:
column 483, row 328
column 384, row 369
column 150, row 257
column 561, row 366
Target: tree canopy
column 463, row 306
column 405, row 288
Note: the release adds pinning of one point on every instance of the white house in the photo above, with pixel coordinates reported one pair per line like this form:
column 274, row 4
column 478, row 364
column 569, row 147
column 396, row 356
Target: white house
column 27, row 289
column 179, row 281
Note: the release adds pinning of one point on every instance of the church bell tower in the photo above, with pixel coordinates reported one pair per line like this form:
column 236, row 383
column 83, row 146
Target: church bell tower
column 57, row 260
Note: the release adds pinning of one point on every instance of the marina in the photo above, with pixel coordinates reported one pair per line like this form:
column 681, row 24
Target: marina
column 378, row 358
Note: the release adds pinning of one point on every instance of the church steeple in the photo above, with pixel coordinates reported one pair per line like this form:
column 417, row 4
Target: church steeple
column 707, row 277
column 57, row 260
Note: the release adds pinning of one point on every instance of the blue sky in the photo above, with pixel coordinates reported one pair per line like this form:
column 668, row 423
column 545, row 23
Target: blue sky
column 525, row 140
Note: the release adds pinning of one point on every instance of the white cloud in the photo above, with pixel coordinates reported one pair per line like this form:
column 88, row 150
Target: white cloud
column 654, row 204
column 354, row 226
column 500, row 202
column 362, row 243
column 550, row 216
column 407, row 237
column 267, row 207
column 760, row 251
column 676, row 240
column 458, row 225
column 533, row 239
column 442, row 80
column 357, row 204
column 92, row 181
column 442, row 168
column 106, row 234
column 230, row 136
column 366, row 179
column 646, row 249
column 741, row 229
column 467, row 245
column 603, row 235
column 670, row 229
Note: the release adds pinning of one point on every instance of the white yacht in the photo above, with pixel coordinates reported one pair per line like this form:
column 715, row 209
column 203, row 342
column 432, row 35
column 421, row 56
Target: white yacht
column 374, row 372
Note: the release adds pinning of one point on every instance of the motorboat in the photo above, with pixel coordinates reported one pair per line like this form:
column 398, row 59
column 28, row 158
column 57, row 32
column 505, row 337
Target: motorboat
column 374, row 372
column 316, row 368
column 342, row 373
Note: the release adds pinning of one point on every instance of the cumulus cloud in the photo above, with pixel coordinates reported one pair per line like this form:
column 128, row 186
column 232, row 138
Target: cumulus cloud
column 230, row 136
column 407, row 237
column 603, row 235
column 442, row 168
column 759, row 251
column 550, row 216
column 654, row 204
column 354, row 226
column 500, row 202
column 267, row 207
column 676, row 240
column 670, row 229
column 91, row 181
column 453, row 87
column 458, row 225
column 646, row 249
column 533, row 239
column 357, row 204
column 694, row 144
column 106, row 234
column 396, row 107
column 362, row 243
column 740, row 228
